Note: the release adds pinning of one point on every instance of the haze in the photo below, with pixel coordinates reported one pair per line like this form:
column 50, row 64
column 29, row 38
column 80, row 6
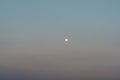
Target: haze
column 32, row 45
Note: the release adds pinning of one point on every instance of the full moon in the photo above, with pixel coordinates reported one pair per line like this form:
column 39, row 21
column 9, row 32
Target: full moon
column 66, row 40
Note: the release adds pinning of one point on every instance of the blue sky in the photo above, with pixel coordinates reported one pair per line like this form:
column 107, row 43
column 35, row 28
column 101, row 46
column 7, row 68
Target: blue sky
column 51, row 21
column 37, row 28
column 63, row 16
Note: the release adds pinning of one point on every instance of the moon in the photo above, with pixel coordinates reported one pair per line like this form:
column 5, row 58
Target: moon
column 66, row 40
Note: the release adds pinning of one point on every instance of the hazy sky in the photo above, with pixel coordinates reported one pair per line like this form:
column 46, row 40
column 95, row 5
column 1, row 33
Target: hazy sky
column 32, row 34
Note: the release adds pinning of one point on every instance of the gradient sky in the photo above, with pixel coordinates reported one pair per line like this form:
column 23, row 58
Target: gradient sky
column 32, row 34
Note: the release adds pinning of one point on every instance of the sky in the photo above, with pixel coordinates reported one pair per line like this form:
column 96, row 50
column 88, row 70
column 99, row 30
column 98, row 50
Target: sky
column 32, row 34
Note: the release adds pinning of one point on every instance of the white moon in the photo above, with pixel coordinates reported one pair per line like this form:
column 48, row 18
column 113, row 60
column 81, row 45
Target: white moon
column 66, row 40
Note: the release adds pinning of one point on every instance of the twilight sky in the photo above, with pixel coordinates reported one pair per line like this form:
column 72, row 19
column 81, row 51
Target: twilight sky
column 32, row 34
